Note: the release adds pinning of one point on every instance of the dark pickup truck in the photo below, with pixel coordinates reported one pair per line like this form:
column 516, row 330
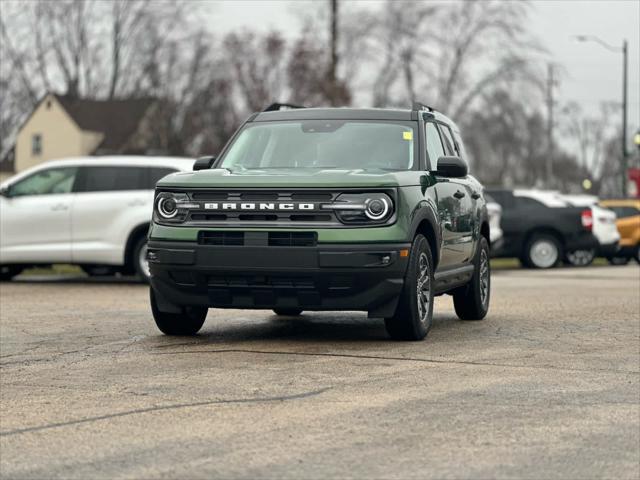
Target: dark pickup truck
column 538, row 231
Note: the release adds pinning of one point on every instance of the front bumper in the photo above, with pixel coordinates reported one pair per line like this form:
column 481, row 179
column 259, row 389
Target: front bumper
column 367, row 277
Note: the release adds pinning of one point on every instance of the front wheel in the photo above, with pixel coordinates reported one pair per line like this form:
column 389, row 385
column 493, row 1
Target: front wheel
column 636, row 254
column 414, row 315
column 471, row 302
column 542, row 251
column 186, row 322
column 580, row 258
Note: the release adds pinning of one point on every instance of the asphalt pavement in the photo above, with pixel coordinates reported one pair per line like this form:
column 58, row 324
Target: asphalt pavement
column 546, row 387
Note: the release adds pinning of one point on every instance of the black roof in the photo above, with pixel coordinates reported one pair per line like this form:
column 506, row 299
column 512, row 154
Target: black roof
column 336, row 114
column 118, row 120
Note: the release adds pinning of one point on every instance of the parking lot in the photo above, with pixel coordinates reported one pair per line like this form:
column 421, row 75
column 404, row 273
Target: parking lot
column 547, row 386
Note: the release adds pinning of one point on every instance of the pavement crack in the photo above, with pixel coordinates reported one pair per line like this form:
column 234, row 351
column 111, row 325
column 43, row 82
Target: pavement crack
column 281, row 398
column 401, row 359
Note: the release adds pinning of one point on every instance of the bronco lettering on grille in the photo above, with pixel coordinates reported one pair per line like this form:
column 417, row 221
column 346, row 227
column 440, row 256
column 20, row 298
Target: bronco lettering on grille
column 259, row 206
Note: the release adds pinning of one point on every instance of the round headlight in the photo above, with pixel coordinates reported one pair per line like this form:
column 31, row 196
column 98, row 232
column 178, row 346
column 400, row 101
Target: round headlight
column 167, row 207
column 376, row 208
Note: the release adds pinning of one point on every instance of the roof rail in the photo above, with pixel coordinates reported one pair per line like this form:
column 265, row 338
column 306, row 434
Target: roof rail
column 274, row 107
column 421, row 106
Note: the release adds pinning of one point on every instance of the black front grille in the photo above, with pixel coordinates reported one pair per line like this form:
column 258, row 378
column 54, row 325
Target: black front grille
column 223, row 216
column 221, row 238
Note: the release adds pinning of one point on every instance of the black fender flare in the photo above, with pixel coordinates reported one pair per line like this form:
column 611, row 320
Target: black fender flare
column 425, row 212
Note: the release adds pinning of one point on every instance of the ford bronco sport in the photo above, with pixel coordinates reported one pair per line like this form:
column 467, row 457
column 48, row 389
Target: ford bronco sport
column 324, row 209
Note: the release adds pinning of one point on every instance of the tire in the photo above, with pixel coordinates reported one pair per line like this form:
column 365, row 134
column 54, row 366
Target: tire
column 617, row 261
column 188, row 322
column 7, row 272
column 580, row 258
column 139, row 259
column 471, row 302
column 287, row 312
column 636, row 254
column 98, row 271
column 414, row 314
column 542, row 251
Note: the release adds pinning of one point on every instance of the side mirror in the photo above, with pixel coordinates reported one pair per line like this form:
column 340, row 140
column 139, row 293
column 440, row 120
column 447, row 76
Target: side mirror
column 452, row 167
column 204, row 163
column 5, row 191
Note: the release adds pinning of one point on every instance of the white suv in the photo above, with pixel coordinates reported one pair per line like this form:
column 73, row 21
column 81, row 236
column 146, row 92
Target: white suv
column 89, row 211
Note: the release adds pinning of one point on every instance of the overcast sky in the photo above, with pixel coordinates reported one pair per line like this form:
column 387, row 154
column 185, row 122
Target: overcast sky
column 591, row 74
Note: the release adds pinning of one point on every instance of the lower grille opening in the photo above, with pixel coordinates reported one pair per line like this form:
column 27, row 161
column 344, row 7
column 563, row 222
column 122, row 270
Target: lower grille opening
column 260, row 282
column 221, row 238
column 293, row 239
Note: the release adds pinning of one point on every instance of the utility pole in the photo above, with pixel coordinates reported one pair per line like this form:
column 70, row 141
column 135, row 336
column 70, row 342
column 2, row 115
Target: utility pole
column 333, row 65
column 624, row 51
column 625, row 164
column 550, row 150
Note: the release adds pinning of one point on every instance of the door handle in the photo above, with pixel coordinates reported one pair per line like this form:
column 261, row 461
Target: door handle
column 459, row 194
column 475, row 195
column 136, row 203
column 60, row 206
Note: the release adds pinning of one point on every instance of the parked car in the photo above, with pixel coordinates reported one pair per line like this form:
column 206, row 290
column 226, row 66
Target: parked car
column 628, row 223
column 91, row 211
column 324, row 209
column 494, row 211
column 604, row 229
column 539, row 228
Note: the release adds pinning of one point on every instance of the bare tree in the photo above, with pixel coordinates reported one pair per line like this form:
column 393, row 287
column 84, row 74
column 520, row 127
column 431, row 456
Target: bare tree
column 258, row 64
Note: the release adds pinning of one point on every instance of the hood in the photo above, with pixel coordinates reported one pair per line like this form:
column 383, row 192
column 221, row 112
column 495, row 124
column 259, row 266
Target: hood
column 290, row 178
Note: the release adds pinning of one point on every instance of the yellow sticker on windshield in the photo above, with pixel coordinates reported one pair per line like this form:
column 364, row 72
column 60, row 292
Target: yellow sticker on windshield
column 407, row 135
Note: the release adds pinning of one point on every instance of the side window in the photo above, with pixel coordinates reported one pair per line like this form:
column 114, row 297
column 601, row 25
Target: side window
column 45, row 182
column 156, row 174
column 36, row 144
column 112, row 179
column 452, row 146
column 435, row 150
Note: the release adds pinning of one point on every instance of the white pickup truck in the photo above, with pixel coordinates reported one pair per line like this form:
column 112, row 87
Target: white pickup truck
column 90, row 211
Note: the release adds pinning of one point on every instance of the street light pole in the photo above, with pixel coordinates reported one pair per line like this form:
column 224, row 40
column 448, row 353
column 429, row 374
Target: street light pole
column 624, row 50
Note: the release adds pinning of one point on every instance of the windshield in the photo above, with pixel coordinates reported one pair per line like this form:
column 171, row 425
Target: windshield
column 370, row 145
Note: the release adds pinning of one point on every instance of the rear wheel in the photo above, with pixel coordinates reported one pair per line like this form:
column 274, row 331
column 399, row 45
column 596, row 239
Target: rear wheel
column 7, row 272
column 471, row 302
column 140, row 262
column 580, row 258
column 414, row 315
column 636, row 255
column 542, row 251
column 287, row 312
column 186, row 322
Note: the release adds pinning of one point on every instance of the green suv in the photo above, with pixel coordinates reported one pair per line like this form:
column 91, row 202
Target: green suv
column 324, row 209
